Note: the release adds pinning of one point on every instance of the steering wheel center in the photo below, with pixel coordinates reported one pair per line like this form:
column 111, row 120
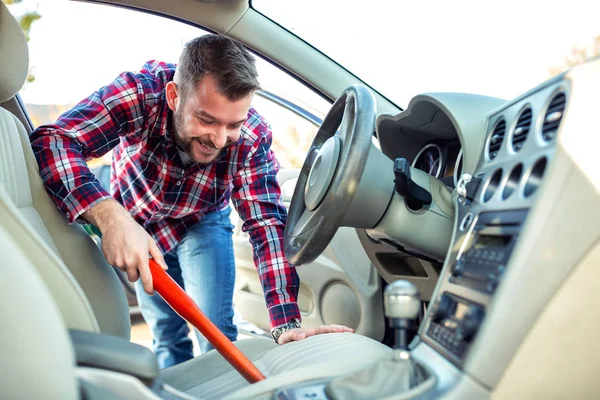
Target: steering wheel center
column 321, row 172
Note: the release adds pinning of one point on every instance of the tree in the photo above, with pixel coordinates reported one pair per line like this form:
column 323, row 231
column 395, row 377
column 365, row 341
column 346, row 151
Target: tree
column 578, row 55
column 25, row 20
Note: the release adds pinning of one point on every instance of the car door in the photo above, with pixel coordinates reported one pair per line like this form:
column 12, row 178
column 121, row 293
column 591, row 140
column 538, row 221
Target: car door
column 341, row 286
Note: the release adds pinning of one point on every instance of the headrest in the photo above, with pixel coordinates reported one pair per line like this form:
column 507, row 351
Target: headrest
column 14, row 56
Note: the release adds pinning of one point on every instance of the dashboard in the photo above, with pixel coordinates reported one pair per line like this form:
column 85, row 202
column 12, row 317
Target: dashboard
column 508, row 158
column 524, row 184
column 426, row 136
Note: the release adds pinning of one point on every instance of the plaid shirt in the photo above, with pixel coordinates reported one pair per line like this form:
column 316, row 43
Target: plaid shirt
column 149, row 179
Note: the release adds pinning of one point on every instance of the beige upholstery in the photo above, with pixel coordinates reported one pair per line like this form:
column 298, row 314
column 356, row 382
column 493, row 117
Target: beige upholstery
column 33, row 366
column 66, row 292
column 209, row 376
column 14, row 62
column 190, row 374
column 19, row 176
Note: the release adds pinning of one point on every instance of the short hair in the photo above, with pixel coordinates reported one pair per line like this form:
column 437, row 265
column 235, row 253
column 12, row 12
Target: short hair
column 225, row 59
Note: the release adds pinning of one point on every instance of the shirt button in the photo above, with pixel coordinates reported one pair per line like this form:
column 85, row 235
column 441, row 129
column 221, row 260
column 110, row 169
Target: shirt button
column 179, row 183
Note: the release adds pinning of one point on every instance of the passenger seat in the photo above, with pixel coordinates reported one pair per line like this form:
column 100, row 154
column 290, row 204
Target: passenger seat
column 36, row 353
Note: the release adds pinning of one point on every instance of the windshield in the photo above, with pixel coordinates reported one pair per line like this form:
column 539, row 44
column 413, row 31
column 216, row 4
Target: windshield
column 403, row 48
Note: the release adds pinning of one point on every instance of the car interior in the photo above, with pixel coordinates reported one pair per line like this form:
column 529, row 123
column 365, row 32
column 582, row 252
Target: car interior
column 459, row 237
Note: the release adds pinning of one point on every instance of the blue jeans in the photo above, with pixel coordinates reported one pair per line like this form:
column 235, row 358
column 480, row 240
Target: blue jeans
column 202, row 264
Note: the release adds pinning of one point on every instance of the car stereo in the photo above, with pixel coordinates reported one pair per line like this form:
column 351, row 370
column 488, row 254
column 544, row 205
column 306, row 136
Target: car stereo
column 480, row 255
column 454, row 323
column 481, row 261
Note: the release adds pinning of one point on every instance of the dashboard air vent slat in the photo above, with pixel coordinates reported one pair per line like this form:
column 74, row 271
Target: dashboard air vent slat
column 522, row 129
column 553, row 116
column 496, row 140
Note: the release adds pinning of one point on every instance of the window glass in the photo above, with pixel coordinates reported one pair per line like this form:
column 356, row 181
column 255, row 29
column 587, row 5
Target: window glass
column 68, row 62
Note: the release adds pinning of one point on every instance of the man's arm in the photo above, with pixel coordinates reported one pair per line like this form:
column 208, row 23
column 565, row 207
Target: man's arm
column 257, row 198
column 125, row 243
column 91, row 129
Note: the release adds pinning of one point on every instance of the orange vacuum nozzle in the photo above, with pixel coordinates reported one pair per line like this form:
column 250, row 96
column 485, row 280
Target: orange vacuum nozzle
column 179, row 300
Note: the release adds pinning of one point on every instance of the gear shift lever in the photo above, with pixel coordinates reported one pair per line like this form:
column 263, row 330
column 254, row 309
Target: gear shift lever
column 395, row 374
column 401, row 303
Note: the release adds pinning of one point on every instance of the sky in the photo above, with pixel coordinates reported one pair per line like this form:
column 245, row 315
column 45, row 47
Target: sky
column 401, row 48
column 498, row 48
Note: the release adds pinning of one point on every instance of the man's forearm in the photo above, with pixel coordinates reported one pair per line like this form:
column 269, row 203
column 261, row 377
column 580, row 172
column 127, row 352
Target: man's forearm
column 66, row 175
column 279, row 278
column 105, row 213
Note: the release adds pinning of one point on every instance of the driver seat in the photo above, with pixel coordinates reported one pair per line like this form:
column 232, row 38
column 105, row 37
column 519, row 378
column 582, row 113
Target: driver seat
column 84, row 290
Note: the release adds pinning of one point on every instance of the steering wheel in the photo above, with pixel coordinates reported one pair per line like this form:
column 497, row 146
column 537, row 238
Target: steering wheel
column 330, row 175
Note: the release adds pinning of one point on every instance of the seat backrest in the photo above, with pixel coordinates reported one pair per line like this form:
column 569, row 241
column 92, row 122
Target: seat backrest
column 37, row 359
column 86, row 289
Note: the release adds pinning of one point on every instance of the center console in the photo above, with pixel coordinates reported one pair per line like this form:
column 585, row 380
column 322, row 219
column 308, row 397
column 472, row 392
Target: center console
column 493, row 206
column 482, row 259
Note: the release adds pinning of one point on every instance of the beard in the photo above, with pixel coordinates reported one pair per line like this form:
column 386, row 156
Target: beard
column 186, row 144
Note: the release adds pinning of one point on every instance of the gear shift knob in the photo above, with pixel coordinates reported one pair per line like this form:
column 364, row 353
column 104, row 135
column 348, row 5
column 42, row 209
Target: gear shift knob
column 401, row 300
column 402, row 303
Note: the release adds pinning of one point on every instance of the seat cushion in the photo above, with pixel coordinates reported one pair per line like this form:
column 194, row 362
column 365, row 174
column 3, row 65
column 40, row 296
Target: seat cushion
column 206, row 367
column 209, row 376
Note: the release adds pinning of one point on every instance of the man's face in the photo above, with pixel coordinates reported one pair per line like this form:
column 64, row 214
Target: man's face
column 206, row 122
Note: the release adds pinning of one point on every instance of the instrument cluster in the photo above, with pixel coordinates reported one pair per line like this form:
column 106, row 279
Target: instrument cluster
column 441, row 159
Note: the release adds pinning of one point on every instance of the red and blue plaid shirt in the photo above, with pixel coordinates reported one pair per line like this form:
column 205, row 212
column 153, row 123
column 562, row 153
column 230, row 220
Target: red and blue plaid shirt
column 130, row 116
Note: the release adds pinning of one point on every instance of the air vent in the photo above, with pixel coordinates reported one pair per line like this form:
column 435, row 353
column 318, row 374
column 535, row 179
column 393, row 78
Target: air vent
column 496, row 139
column 553, row 116
column 522, row 129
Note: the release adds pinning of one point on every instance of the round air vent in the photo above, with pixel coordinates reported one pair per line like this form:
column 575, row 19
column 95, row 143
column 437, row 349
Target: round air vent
column 492, row 185
column 522, row 129
column 553, row 116
column 535, row 177
column 496, row 139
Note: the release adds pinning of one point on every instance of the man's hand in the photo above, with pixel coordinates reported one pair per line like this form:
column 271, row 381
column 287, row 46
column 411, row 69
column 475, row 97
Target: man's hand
column 302, row 333
column 125, row 243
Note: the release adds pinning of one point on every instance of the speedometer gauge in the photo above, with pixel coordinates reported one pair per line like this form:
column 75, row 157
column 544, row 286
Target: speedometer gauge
column 429, row 159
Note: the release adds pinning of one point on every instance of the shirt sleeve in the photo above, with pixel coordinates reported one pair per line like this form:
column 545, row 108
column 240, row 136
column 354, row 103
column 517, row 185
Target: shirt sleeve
column 257, row 198
column 90, row 129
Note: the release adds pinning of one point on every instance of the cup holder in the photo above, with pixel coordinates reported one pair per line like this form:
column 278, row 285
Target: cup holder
column 492, row 185
column 534, row 179
column 512, row 183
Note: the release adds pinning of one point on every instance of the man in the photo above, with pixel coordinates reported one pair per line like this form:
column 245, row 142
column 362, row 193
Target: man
column 185, row 141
